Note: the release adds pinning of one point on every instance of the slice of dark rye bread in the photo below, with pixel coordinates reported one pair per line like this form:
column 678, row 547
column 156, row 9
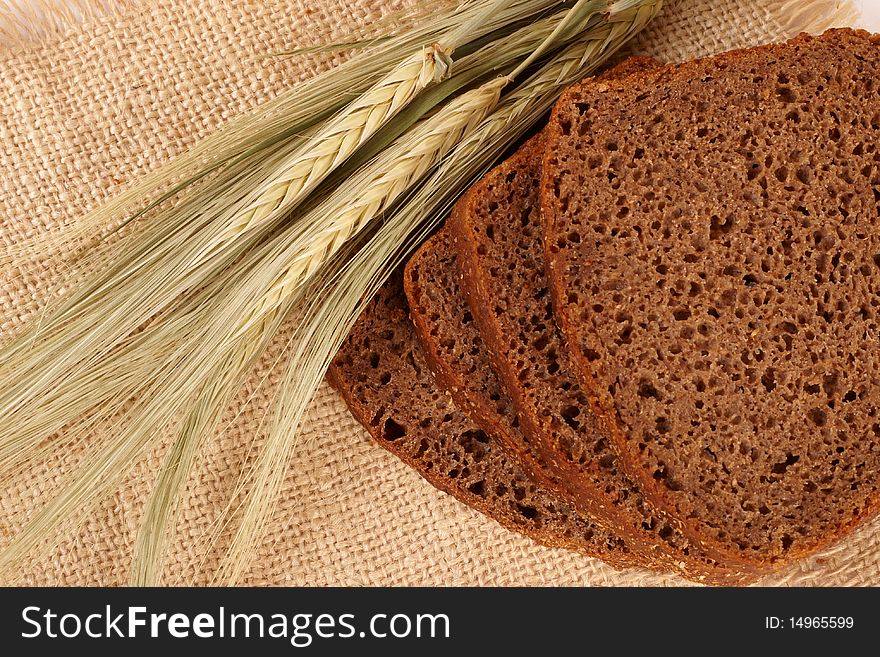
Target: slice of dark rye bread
column 713, row 242
column 498, row 230
column 381, row 373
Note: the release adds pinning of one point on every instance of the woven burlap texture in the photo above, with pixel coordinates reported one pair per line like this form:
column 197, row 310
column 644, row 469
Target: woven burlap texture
column 83, row 115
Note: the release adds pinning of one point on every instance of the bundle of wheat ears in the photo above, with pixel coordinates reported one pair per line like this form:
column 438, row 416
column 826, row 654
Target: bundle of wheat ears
column 301, row 209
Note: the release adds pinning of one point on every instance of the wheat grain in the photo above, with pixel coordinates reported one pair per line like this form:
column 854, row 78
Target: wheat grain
column 36, row 367
column 341, row 138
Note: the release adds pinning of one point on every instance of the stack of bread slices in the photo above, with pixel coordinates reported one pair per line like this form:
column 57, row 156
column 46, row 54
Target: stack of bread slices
column 652, row 335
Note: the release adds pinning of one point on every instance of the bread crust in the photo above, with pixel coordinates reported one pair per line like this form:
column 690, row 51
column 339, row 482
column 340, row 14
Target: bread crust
column 478, row 393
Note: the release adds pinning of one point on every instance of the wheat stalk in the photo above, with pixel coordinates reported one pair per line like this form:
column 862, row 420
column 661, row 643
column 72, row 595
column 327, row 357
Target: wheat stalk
column 345, row 135
column 162, row 506
column 330, row 228
column 178, row 354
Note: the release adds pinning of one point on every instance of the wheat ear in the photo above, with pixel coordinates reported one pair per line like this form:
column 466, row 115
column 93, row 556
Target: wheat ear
column 343, row 135
column 373, row 191
column 337, row 141
column 326, row 149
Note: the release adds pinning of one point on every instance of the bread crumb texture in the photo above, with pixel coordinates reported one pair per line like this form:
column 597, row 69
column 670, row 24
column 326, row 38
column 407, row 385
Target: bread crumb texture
column 713, row 246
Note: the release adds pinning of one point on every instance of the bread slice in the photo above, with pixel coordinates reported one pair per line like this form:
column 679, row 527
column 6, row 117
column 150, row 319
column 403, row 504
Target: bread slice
column 381, row 373
column 712, row 241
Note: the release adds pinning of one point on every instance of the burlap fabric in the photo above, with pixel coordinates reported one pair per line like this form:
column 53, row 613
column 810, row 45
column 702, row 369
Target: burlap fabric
column 81, row 115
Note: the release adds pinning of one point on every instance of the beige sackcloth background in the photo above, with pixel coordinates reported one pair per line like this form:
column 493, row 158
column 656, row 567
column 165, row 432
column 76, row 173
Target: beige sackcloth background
column 83, row 112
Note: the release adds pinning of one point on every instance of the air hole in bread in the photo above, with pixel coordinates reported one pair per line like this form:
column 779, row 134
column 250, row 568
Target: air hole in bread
column 392, row 430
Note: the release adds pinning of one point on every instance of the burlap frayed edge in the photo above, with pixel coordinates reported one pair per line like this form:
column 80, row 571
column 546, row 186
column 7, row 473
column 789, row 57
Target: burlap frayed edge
column 683, row 31
column 25, row 23
column 815, row 16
